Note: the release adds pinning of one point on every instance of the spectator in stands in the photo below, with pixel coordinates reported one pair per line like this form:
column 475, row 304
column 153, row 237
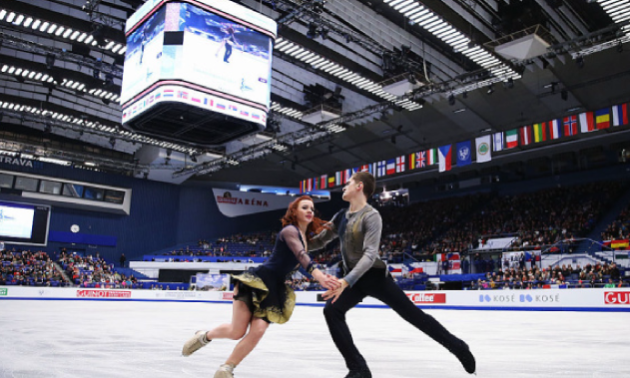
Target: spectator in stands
column 123, row 259
column 261, row 295
column 614, row 272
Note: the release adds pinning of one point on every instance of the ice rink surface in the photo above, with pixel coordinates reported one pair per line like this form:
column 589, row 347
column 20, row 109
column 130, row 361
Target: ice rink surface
column 144, row 339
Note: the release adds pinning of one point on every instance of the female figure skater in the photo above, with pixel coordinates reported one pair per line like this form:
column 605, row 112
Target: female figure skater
column 261, row 296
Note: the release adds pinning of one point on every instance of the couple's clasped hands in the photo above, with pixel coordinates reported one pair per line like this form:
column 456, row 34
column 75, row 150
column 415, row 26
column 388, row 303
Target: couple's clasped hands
column 333, row 285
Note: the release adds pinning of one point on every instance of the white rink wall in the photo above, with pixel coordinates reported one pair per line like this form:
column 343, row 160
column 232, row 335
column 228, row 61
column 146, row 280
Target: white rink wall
column 615, row 300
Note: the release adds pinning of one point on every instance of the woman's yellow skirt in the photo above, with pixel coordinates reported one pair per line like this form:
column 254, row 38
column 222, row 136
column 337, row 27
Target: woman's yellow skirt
column 266, row 296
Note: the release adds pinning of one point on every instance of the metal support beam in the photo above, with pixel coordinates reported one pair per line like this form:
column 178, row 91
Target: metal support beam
column 32, row 47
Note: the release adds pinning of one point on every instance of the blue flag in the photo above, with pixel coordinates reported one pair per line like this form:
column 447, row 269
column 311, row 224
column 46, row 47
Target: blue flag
column 464, row 153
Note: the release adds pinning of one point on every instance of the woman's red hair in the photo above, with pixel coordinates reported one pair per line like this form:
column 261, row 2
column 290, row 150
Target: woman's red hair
column 316, row 226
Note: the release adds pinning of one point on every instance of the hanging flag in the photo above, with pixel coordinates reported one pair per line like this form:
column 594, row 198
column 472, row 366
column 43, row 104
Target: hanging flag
column 338, row 178
column 309, row 184
column 331, row 181
column 347, row 175
column 525, row 135
column 444, row 157
column 540, row 132
column 464, row 153
column 620, row 115
column 391, row 167
column 511, row 138
column 497, row 144
column 420, row 159
column 301, row 186
column 400, row 164
column 323, row 181
column 602, row 119
column 412, row 160
column 415, row 160
column 484, row 153
column 432, row 156
column 365, row 168
column 316, row 183
column 620, row 244
column 555, row 129
column 587, row 122
column 381, row 169
column 570, row 126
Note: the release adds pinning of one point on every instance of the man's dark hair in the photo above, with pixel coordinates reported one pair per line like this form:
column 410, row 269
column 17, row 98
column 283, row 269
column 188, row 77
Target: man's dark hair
column 368, row 181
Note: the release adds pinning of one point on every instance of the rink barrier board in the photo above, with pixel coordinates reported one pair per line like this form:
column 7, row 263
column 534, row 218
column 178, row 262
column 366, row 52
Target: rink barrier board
column 470, row 308
column 587, row 299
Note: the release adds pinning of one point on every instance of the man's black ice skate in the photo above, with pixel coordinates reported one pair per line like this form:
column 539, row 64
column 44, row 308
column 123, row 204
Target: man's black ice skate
column 359, row 374
column 464, row 356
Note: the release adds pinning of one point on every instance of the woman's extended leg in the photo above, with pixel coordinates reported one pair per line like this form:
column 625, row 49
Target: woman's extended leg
column 248, row 343
column 243, row 348
column 241, row 317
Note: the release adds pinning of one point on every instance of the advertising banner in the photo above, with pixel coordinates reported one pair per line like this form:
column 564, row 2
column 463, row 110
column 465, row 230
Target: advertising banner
column 587, row 299
column 234, row 203
column 213, row 282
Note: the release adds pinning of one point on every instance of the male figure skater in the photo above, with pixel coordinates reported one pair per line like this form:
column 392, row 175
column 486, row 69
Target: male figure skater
column 359, row 231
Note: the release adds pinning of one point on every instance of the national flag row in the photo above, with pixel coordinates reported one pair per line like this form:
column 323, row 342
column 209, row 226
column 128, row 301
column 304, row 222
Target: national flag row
column 563, row 127
column 198, row 99
column 443, row 156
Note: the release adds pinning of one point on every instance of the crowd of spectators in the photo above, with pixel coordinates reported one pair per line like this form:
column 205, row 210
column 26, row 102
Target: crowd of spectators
column 619, row 229
column 93, row 271
column 550, row 216
column 243, row 245
column 537, row 219
column 597, row 275
column 29, row 269
column 412, row 229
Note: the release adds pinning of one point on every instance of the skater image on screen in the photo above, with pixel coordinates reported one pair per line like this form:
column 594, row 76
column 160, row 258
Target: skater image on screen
column 261, row 296
column 227, row 43
column 359, row 231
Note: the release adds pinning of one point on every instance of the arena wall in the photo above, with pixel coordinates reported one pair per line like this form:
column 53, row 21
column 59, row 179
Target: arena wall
column 610, row 300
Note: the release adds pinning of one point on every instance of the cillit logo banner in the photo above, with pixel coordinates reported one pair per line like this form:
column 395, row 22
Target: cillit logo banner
column 4, row 291
column 617, row 297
